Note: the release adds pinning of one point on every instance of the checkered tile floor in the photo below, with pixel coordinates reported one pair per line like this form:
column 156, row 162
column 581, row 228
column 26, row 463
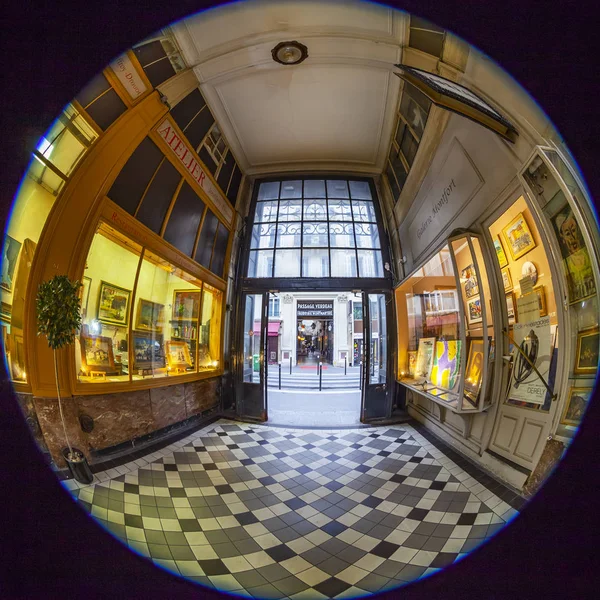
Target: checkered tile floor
column 273, row 513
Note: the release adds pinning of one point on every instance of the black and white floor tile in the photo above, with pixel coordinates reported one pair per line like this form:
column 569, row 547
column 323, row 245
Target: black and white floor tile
column 268, row 512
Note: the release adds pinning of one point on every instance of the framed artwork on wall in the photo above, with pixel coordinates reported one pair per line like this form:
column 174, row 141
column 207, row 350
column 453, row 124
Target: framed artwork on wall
column 412, row 362
column 575, row 405
column 518, row 237
column 576, row 258
column 507, row 280
column 541, row 294
column 425, row 357
column 149, row 315
column 502, row 260
column 586, row 361
column 186, row 305
column 97, row 353
column 178, row 355
column 113, row 304
column 474, row 311
column 148, row 352
column 10, row 254
column 471, row 284
column 446, row 363
column 511, row 307
column 474, row 370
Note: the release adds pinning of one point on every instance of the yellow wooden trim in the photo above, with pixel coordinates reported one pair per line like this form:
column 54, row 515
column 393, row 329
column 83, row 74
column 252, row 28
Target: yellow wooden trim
column 87, row 117
column 67, row 233
column 154, row 135
column 163, row 227
column 115, row 84
column 114, row 387
column 121, row 220
column 138, row 67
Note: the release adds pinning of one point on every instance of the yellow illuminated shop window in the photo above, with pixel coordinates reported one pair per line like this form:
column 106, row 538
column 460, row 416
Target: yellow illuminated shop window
column 209, row 355
column 102, row 349
column 166, row 321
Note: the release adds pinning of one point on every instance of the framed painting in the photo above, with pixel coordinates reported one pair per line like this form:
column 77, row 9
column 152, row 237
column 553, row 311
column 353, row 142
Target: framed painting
column 10, row 255
column 425, row 357
column 507, row 280
column 186, row 305
column 586, row 360
column 412, row 362
column 474, row 371
column 575, row 405
column 471, row 284
column 576, row 258
column 97, row 353
column 446, row 363
column 148, row 351
column 149, row 315
column 502, row 260
column 518, row 237
column 474, row 311
column 84, row 292
column 113, row 304
column 541, row 294
column 511, row 307
column 178, row 355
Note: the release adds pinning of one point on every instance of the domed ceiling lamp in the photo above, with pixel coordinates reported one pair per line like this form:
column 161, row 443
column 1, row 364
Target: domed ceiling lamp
column 289, row 53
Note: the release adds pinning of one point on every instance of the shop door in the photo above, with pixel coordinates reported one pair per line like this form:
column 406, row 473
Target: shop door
column 376, row 397
column 526, row 410
column 252, row 376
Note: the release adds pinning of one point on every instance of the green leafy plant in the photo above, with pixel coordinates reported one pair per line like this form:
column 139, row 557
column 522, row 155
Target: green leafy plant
column 59, row 318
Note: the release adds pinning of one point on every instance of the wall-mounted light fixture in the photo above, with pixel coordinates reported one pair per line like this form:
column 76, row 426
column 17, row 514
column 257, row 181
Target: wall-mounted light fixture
column 289, row 53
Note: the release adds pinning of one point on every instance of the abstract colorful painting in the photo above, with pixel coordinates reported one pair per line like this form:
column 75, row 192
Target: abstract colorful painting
column 446, row 363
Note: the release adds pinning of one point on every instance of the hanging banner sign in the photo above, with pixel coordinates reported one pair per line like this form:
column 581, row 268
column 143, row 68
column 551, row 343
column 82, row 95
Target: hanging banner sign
column 311, row 308
column 126, row 73
column 182, row 151
column 534, row 339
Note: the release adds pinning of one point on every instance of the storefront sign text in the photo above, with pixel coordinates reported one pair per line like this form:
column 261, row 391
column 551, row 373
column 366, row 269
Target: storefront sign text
column 127, row 227
column 126, row 73
column 167, row 131
column 307, row 308
column 453, row 186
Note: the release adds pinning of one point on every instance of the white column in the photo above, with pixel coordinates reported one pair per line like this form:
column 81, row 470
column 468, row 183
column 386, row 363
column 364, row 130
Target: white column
column 340, row 323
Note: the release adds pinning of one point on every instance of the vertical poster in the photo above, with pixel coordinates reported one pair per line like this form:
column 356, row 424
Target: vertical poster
column 535, row 341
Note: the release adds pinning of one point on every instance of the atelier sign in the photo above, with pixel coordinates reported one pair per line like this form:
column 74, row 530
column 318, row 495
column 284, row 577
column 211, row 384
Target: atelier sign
column 167, row 132
column 309, row 308
column 125, row 72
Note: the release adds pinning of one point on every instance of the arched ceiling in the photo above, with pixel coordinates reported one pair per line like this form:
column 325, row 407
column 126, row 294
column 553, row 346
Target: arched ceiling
column 335, row 111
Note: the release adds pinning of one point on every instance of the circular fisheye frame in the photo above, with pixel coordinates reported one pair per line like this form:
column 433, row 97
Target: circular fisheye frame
column 304, row 402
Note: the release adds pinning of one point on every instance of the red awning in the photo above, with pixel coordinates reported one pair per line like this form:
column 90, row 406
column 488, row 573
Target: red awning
column 273, row 328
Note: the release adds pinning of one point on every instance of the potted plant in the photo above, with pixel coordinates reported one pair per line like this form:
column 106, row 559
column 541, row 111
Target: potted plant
column 59, row 319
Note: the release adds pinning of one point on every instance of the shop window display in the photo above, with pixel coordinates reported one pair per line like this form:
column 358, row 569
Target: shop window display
column 445, row 337
column 562, row 200
column 102, row 348
column 530, row 306
column 142, row 317
column 54, row 160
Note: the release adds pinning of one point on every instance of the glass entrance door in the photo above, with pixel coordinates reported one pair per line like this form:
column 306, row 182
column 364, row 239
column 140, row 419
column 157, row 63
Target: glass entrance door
column 376, row 400
column 252, row 377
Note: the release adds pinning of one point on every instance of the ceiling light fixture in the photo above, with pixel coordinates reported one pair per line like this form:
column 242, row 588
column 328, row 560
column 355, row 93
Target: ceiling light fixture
column 289, row 53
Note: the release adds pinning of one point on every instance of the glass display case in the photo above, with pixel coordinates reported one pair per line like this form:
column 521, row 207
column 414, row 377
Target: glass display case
column 445, row 332
column 142, row 317
column 575, row 234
